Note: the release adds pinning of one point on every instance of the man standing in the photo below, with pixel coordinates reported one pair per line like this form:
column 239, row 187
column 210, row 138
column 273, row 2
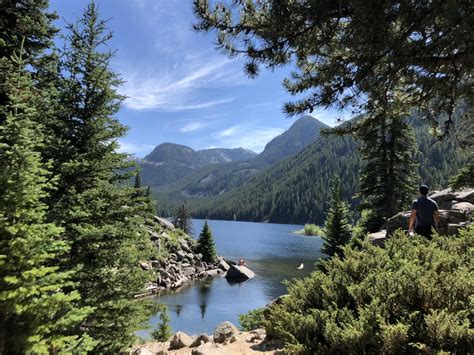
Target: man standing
column 424, row 212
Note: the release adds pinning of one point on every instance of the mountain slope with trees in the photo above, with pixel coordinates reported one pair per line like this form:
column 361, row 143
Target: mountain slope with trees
column 214, row 180
column 170, row 162
column 296, row 190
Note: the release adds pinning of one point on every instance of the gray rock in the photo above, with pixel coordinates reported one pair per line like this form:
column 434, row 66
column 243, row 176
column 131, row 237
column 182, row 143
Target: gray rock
column 239, row 273
column 181, row 255
column 223, row 265
column 173, row 257
column 164, row 223
column 214, row 272
column 442, row 196
column 201, row 338
column 208, row 349
column 181, row 340
column 225, row 331
column 453, row 229
column 378, row 238
column 463, row 206
column 399, row 221
column 145, row 265
column 155, row 264
column 165, row 235
column 165, row 274
column 466, row 196
column 189, row 271
column 142, row 351
column 184, row 244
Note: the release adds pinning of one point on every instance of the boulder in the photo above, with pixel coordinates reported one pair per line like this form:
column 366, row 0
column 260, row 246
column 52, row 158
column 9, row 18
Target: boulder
column 201, row 339
column 189, row 271
column 224, row 332
column 214, row 272
column 181, row 340
column 181, row 255
column 142, row 351
column 378, row 238
column 466, row 195
column 239, row 273
column 442, row 196
column 223, row 265
column 463, row 206
column 453, row 229
column 399, row 221
column 164, row 223
column 184, row 244
column 208, row 349
column 145, row 265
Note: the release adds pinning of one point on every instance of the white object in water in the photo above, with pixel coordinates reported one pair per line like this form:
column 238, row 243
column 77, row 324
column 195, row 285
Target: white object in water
column 300, row 267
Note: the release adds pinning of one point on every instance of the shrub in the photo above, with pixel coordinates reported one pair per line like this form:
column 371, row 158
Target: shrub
column 252, row 320
column 414, row 295
column 162, row 332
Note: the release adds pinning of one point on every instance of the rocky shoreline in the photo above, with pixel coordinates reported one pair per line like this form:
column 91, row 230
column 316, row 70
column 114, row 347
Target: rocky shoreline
column 178, row 264
column 227, row 339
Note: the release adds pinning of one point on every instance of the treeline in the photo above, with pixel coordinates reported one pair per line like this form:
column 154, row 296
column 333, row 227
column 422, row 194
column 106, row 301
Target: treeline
column 71, row 226
column 297, row 190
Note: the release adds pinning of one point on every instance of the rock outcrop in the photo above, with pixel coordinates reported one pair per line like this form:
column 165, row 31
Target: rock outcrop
column 227, row 339
column 177, row 264
column 239, row 273
column 455, row 210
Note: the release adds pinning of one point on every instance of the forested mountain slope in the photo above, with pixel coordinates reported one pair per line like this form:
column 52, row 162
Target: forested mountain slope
column 213, row 180
column 296, row 190
column 170, row 162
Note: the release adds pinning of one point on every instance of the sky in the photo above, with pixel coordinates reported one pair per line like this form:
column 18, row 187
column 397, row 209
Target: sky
column 179, row 87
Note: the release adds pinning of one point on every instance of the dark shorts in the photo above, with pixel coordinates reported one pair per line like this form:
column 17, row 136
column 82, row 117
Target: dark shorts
column 425, row 231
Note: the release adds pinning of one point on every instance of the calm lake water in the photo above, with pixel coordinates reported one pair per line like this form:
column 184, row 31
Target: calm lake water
column 270, row 250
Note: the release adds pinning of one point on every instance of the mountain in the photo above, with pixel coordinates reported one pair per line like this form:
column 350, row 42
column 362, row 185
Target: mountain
column 213, row 180
column 170, row 162
column 302, row 132
column 296, row 189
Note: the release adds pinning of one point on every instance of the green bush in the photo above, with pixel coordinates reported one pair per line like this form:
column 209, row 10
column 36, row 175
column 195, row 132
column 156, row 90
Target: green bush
column 311, row 229
column 414, row 295
column 162, row 332
column 252, row 320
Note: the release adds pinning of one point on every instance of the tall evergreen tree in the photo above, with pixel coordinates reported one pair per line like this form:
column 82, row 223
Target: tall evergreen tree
column 388, row 176
column 182, row 220
column 95, row 203
column 337, row 227
column 206, row 245
column 37, row 298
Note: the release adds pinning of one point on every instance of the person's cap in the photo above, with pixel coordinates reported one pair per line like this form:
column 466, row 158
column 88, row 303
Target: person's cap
column 423, row 189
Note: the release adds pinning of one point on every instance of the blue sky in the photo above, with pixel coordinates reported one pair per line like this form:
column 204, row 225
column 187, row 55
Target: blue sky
column 180, row 89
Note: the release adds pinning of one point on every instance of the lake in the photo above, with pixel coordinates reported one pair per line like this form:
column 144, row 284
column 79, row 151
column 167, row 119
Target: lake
column 270, row 250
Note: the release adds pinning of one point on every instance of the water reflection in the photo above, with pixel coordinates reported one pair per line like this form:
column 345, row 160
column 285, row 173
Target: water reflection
column 270, row 250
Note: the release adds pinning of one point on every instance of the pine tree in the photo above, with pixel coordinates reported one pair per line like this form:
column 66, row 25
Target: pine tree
column 37, row 298
column 183, row 220
column 95, row 203
column 337, row 227
column 387, row 179
column 206, row 245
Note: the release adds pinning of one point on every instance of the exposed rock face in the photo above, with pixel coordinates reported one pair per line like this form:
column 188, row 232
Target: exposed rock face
column 224, row 332
column 181, row 340
column 239, row 273
column 455, row 212
column 181, row 265
column 201, row 339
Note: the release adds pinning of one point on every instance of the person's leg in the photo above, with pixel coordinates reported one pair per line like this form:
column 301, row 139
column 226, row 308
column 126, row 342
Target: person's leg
column 425, row 231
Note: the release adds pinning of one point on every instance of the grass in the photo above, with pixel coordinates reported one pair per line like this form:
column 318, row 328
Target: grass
column 311, row 229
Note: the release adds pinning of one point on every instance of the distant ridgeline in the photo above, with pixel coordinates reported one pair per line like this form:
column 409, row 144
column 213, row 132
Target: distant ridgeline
column 289, row 181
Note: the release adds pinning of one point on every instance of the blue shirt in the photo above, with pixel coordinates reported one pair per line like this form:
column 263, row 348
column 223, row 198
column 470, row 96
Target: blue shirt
column 425, row 209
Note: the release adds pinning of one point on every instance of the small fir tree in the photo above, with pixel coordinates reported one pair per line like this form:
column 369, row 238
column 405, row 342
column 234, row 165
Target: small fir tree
column 37, row 298
column 163, row 331
column 337, row 227
column 183, row 220
column 206, row 245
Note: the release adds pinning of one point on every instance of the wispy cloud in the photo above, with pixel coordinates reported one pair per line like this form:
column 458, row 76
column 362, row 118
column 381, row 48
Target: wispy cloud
column 138, row 149
column 253, row 138
column 191, row 127
column 179, row 87
column 228, row 132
